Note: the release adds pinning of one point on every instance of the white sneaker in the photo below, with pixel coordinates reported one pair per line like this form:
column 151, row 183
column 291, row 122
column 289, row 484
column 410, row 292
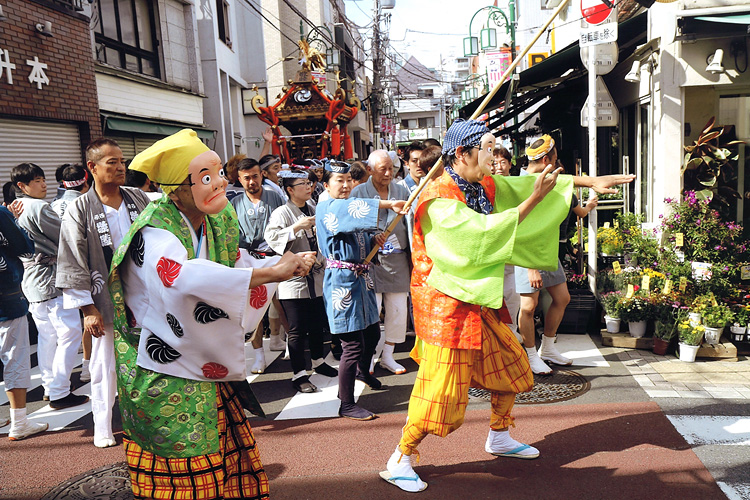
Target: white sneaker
column 548, row 352
column 391, row 365
column 401, row 473
column 538, row 367
column 500, row 444
column 277, row 343
column 105, row 442
column 259, row 366
column 29, row 428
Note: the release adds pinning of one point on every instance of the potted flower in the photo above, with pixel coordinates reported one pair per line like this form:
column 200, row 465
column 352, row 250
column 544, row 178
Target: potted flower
column 714, row 319
column 611, row 304
column 699, row 304
column 741, row 320
column 690, row 340
column 636, row 310
column 609, row 240
column 668, row 314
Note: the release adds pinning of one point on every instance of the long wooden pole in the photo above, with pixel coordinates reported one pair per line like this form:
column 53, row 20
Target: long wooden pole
column 428, row 177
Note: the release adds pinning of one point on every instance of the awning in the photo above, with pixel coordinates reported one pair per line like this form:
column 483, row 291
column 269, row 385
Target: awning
column 732, row 25
column 561, row 70
column 151, row 127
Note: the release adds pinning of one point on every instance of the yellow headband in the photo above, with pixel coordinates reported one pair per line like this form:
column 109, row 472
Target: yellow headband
column 546, row 147
column 167, row 160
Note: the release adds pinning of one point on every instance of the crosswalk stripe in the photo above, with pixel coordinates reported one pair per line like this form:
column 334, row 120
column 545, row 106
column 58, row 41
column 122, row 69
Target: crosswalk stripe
column 707, row 430
column 581, row 349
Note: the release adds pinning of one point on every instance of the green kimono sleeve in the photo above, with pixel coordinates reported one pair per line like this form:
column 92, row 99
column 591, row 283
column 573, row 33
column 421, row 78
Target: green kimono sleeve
column 469, row 250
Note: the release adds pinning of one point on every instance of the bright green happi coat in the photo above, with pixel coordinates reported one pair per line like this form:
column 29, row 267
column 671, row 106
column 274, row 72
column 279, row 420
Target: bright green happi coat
column 169, row 416
column 469, row 250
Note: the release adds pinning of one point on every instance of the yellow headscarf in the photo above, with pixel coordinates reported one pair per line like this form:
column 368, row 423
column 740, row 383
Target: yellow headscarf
column 546, row 147
column 167, row 160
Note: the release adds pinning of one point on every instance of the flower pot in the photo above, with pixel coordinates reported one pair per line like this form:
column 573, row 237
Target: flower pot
column 695, row 319
column 660, row 346
column 637, row 329
column 738, row 333
column 688, row 352
column 713, row 335
column 613, row 324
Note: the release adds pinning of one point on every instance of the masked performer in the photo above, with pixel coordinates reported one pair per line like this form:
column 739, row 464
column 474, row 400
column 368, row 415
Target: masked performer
column 468, row 225
column 184, row 295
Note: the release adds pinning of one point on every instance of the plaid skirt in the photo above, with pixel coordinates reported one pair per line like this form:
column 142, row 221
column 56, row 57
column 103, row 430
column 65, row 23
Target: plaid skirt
column 235, row 471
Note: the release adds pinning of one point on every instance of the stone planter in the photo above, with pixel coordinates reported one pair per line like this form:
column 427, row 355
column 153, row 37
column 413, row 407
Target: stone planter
column 688, row 352
column 613, row 324
column 713, row 335
column 738, row 333
column 637, row 329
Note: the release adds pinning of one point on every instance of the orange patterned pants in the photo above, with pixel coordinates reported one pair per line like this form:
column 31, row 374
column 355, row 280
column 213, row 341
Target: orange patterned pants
column 441, row 392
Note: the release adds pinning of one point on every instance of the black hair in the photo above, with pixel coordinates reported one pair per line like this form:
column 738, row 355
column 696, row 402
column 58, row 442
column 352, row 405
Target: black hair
column 268, row 160
column 431, row 142
column 414, row 146
column 287, row 182
column 246, row 164
column 135, row 178
column 94, row 149
column 59, row 171
column 25, row 173
column 74, row 173
column 429, row 156
column 312, row 176
column 9, row 194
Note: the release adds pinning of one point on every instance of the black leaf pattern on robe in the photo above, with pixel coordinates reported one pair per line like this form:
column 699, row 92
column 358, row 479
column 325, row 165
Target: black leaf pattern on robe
column 137, row 249
column 175, row 325
column 160, row 351
column 205, row 313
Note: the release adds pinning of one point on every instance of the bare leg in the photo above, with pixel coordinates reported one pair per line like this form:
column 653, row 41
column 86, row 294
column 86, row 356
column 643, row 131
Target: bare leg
column 560, row 300
column 529, row 302
column 17, row 398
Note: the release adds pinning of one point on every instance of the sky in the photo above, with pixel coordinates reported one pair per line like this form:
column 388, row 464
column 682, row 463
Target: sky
column 434, row 16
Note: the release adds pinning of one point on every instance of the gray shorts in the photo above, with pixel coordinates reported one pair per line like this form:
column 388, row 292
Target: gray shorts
column 15, row 352
column 549, row 278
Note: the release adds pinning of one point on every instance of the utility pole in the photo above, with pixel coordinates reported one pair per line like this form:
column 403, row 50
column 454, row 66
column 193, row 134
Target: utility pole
column 376, row 65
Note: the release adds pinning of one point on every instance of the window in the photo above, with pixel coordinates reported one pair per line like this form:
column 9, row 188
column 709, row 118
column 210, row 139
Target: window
column 424, row 93
column 222, row 17
column 426, row 122
column 125, row 35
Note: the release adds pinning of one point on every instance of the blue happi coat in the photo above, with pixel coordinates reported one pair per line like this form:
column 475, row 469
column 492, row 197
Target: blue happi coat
column 344, row 228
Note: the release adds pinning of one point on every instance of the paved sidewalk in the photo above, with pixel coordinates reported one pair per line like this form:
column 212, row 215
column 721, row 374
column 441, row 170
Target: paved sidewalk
column 668, row 377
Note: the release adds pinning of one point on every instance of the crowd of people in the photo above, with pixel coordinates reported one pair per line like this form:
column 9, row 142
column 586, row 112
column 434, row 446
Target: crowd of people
column 137, row 270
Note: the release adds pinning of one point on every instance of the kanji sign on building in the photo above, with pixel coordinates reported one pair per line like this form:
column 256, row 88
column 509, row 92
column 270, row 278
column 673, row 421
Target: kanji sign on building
column 596, row 11
column 37, row 75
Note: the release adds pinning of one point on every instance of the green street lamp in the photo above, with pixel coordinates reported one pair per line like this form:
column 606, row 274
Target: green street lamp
column 488, row 35
column 321, row 38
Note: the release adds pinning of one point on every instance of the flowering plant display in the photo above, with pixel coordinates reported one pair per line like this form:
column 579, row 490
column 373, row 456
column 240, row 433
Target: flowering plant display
column 702, row 302
column 691, row 335
column 717, row 316
column 742, row 315
column 611, row 304
column 706, row 237
column 635, row 308
column 609, row 240
column 578, row 281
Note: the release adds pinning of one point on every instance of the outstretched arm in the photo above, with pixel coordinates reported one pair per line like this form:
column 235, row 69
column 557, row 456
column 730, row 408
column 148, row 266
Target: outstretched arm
column 603, row 184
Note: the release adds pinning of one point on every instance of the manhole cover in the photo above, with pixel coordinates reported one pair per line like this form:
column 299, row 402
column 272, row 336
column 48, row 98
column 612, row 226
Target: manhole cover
column 111, row 482
column 560, row 386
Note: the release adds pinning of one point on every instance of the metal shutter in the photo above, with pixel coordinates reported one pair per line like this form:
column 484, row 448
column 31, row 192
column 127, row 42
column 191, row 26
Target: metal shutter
column 47, row 144
column 127, row 145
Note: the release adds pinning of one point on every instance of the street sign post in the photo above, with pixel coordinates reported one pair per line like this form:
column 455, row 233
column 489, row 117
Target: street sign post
column 596, row 11
column 607, row 113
